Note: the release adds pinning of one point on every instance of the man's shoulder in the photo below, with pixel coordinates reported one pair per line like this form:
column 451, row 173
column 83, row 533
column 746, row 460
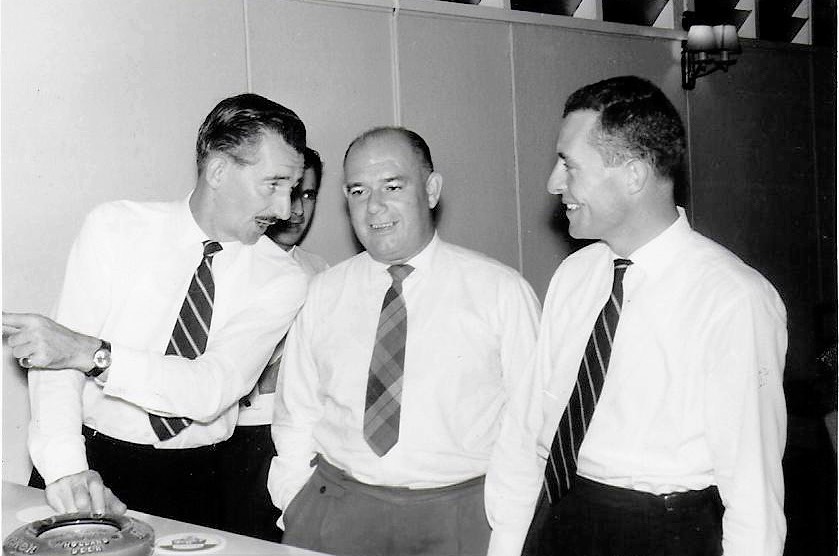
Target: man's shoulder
column 463, row 259
column 338, row 272
column 714, row 265
column 312, row 263
column 134, row 212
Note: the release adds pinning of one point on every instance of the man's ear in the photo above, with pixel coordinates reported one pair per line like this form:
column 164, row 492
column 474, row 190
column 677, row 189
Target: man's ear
column 637, row 175
column 214, row 170
column 433, row 188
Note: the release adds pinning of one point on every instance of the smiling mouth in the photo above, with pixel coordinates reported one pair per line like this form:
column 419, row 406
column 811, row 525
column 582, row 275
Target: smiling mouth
column 571, row 206
column 383, row 226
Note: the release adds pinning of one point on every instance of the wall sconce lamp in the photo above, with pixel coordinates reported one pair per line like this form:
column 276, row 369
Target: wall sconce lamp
column 706, row 50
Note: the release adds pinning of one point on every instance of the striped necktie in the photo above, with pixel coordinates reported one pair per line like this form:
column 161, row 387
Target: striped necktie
column 562, row 461
column 384, row 381
column 189, row 336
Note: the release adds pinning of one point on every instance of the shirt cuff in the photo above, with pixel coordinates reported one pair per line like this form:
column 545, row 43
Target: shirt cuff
column 506, row 543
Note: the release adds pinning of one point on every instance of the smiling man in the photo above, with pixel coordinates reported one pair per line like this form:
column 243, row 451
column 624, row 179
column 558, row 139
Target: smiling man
column 168, row 313
column 396, row 373
column 653, row 418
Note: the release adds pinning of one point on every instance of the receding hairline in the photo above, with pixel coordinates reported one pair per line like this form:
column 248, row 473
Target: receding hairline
column 412, row 140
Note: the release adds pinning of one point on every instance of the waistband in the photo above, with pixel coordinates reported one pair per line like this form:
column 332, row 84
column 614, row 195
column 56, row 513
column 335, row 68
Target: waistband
column 342, row 479
column 617, row 496
column 94, row 435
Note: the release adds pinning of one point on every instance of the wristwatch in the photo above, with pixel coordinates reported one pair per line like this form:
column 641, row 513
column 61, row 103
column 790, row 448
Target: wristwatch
column 101, row 360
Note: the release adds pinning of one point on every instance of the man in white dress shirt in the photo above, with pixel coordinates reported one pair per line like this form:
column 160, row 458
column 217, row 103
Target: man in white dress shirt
column 168, row 314
column 246, row 456
column 683, row 453
column 389, row 464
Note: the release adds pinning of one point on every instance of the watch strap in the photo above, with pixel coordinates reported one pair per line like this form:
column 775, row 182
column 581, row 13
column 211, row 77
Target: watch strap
column 97, row 368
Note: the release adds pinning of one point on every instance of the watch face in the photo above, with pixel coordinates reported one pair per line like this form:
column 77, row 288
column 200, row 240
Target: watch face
column 102, row 358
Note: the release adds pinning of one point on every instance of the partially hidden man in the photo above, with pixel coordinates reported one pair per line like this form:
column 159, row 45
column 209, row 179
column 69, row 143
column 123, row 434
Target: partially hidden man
column 396, row 373
column 168, row 313
column 247, row 455
column 653, row 419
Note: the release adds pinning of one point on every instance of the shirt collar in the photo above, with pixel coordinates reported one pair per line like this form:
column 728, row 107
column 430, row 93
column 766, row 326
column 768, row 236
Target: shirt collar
column 421, row 261
column 190, row 232
column 657, row 254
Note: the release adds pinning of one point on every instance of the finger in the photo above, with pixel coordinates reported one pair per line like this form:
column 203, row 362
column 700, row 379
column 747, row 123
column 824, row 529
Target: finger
column 81, row 496
column 8, row 329
column 96, row 491
column 60, row 498
column 114, row 504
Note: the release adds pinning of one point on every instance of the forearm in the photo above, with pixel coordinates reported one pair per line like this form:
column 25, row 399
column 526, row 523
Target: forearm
column 55, row 443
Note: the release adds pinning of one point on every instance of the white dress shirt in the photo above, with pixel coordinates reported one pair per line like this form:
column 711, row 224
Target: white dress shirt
column 261, row 408
column 471, row 329
column 126, row 279
column 693, row 396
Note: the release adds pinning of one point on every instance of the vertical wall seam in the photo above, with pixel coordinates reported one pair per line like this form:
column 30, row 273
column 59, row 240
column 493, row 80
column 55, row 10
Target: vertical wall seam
column 248, row 74
column 394, row 64
column 689, row 152
column 516, row 177
column 816, row 179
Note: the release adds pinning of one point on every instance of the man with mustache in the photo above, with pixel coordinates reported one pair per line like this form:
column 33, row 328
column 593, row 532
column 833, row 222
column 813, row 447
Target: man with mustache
column 168, row 314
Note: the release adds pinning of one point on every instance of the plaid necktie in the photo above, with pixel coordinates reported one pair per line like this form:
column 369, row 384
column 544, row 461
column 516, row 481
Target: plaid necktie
column 562, row 461
column 384, row 383
column 189, row 337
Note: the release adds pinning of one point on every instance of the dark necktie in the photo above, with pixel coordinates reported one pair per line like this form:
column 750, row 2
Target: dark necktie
column 562, row 461
column 189, row 336
column 384, row 382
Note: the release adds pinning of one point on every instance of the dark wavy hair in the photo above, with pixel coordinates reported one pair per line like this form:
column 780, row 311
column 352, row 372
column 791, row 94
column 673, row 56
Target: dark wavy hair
column 637, row 120
column 236, row 126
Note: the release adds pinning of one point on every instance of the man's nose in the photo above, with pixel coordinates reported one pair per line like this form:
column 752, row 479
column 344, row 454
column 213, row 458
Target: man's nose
column 558, row 180
column 374, row 203
column 282, row 205
column 296, row 205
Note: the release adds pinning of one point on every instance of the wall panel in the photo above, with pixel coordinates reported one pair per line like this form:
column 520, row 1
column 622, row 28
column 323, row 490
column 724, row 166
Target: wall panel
column 101, row 100
column 456, row 91
column 753, row 178
column 331, row 65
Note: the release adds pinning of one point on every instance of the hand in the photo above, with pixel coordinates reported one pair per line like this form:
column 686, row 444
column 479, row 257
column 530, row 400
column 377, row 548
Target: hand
column 43, row 343
column 82, row 492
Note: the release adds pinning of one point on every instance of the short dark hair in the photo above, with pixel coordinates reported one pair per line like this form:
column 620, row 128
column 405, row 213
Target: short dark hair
column 311, row 159
column 417, row 143
column 636, row 120
column 237, row 124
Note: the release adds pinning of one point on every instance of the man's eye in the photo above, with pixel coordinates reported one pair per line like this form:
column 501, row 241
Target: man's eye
column 309, row 195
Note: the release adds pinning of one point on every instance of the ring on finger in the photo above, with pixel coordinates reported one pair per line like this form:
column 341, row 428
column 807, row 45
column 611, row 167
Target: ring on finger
column 24, row 362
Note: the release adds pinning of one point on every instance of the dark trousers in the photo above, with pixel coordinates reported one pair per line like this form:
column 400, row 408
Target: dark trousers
column 179, row 484
column 245, row 460
column 336, row 514
column 594, row 519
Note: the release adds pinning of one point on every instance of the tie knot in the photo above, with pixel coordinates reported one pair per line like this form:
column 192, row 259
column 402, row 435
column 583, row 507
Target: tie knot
column 211, row 248
column 622, row 264
column 400, row 271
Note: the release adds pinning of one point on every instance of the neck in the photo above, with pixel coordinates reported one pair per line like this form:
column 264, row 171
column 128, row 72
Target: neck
column 200, row 207
column 646, row 226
